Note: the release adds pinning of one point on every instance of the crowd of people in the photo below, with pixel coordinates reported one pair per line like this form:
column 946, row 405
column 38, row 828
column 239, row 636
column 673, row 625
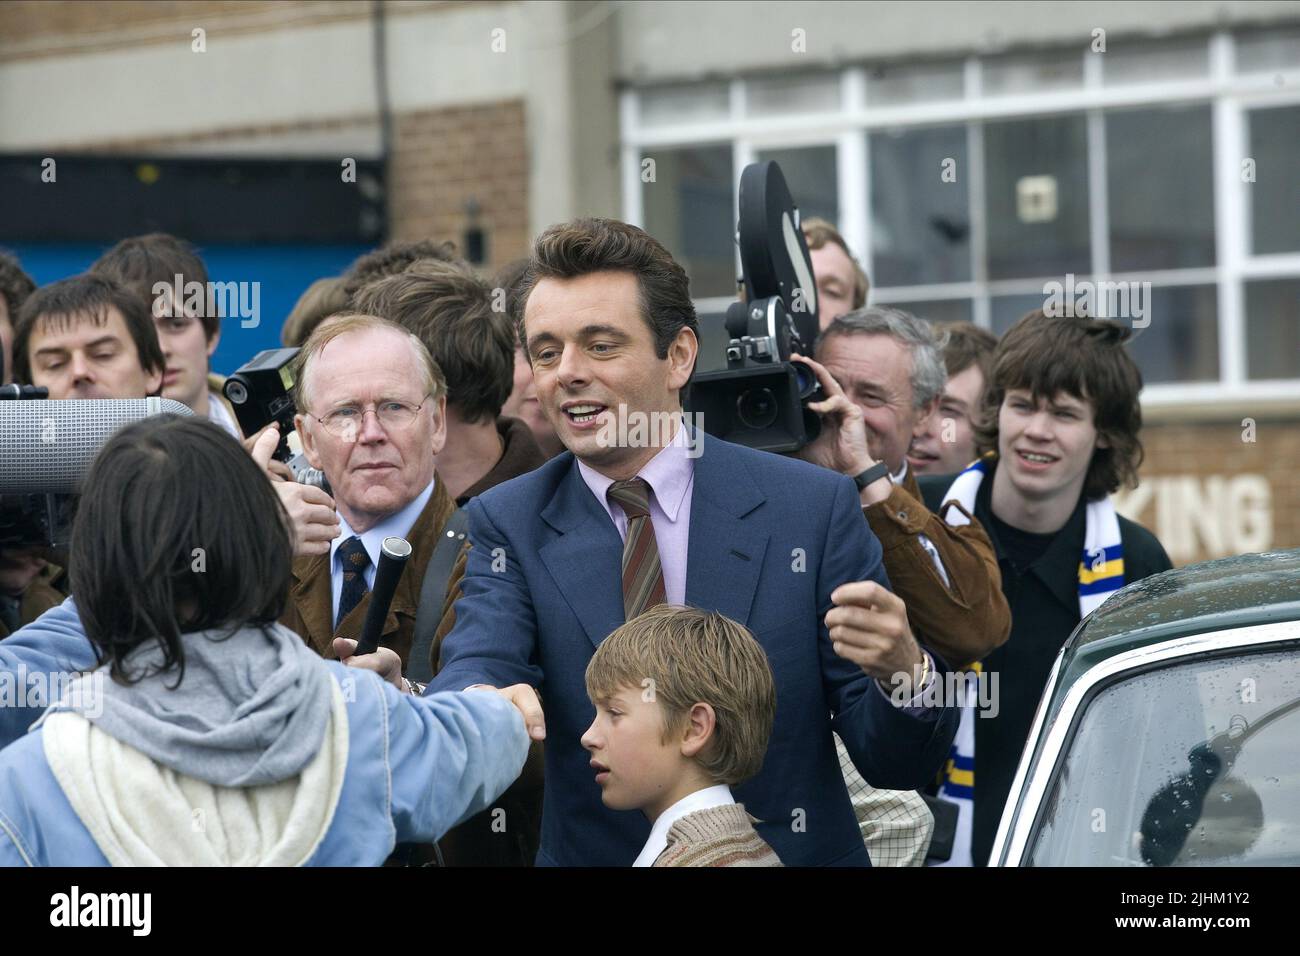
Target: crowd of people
column 676, row 651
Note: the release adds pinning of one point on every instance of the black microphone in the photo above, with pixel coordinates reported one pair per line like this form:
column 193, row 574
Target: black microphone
column 392, row 559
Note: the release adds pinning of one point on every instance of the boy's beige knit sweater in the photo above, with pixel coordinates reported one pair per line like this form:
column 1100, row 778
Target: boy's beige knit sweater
column 717, row 836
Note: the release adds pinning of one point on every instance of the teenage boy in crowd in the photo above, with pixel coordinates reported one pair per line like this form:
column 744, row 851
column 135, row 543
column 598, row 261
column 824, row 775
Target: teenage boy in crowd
column 944, row 444
column 684, row 704
column 188, row 336
column 1060, row 421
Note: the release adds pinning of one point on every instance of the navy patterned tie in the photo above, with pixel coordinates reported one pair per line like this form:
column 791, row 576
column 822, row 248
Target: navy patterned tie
column 352, row 555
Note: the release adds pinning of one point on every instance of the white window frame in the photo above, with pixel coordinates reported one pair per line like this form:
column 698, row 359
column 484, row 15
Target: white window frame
column 1231, row 97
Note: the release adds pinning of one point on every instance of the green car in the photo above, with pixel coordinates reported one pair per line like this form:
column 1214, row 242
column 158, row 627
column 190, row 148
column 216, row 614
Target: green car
column 1169, row 730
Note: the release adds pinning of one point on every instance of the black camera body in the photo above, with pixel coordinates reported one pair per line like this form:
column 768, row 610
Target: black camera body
column 260, row 391
column 759, row 399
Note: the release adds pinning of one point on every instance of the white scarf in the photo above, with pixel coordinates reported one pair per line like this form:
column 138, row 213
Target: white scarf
column 141, row 813
column 1101, row 573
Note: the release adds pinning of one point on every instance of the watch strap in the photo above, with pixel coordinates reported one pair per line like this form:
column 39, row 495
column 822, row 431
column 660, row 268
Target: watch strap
column 873, row 474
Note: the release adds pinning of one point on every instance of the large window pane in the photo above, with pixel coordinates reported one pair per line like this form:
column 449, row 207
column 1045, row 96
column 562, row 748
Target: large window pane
column 937, row 310
column 688, row 103
column 920, row 217
column 1275, row 193
column 796, row 94
column 1273, row 328
column 1181, row 344
column 894, row 85
column 689, row 207
column 1037, row 175
column 1033, row 72
column 1161, row 186
column 1259, row 51
column 810, row 173
column 1134, row 61
column 1006, row 310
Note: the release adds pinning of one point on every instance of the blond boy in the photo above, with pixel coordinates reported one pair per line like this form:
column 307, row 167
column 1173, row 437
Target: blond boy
column 684, row 706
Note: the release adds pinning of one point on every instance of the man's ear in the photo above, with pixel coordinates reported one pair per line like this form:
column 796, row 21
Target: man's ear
column 700, row 724
column 440, row 424
column 1102, row 440
column 302, row 426
column 681, row 358
column 212, row 342
column 153, row 382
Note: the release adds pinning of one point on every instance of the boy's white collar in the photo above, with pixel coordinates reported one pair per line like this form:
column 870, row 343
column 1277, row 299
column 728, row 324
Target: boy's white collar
column 719, row 796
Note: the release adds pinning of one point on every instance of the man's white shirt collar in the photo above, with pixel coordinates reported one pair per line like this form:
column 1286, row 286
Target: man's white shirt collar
column 719, row 796
column 398, row 523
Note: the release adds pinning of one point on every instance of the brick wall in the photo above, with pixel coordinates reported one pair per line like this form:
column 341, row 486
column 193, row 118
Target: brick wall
column 1212, row 489
column 444, row 158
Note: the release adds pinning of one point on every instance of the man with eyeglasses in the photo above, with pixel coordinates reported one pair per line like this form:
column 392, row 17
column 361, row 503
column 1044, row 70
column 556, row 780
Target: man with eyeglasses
column 372, row 417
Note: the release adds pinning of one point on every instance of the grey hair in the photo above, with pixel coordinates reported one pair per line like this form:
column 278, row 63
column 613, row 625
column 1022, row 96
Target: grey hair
column 920, row 338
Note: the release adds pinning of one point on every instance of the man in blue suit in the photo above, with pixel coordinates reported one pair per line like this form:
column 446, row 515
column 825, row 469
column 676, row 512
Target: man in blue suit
column 642, row 510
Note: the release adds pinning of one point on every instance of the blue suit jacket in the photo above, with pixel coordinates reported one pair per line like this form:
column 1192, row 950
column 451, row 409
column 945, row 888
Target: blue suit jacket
column 770, row 539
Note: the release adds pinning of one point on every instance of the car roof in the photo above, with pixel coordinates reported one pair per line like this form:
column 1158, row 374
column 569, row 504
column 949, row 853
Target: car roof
column 1211, row 596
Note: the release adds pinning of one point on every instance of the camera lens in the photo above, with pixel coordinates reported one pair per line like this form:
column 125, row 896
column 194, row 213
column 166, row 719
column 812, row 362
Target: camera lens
column 805, row 378
column 757, row 408
column 236, row 392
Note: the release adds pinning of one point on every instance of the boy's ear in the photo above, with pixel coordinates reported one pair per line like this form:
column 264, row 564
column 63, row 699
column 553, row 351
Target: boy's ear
column 700, row 722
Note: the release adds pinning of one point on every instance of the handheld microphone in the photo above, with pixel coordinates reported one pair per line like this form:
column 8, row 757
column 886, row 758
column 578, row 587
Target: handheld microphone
column 392, row 559
column 47, row 445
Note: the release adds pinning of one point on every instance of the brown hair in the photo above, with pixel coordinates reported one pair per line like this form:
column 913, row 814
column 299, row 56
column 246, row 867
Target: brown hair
column 323, row 298
column 510, row 280
column 817, row 232
column 968, row 345
column 391, row 259
column 15, row 284
column 450, row 309
column 67, row 302
column 141, row 262
column 1084, row 358
column 684, row 656
column 325, row 333
column 583, row 246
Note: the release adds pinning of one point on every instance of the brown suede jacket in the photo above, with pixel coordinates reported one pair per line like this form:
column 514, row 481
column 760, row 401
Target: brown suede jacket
column 310, row 610
column 964, row 622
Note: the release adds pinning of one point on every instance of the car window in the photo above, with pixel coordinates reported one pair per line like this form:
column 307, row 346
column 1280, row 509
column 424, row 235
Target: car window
column 1192, row 764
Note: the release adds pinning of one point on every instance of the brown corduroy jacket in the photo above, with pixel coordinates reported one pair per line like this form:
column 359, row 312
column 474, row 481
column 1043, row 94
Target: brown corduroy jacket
column 962, row 622
column 310, row 610
column 47, row 590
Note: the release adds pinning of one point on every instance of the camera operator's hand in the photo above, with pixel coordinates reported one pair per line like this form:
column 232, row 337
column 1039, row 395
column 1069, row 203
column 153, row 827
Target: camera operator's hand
column 277, row 469
column 311, row 511
column 842, row 444
column 19, row 567
column 384, row 661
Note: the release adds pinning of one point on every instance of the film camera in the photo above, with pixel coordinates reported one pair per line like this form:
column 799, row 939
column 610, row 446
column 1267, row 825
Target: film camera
column 759, row 399
column 260, row 391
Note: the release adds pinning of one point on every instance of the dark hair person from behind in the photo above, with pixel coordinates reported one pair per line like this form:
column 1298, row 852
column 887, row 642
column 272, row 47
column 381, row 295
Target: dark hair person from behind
column 182, row 554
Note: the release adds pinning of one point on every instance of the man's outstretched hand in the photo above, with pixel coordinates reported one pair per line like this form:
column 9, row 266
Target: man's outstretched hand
column 385, row 662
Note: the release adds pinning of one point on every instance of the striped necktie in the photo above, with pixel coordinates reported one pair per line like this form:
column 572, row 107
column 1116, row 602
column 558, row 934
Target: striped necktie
column 643, row 577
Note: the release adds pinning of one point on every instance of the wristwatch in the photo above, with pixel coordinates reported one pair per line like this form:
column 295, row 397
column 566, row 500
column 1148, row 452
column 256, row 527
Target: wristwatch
column 873, row 474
